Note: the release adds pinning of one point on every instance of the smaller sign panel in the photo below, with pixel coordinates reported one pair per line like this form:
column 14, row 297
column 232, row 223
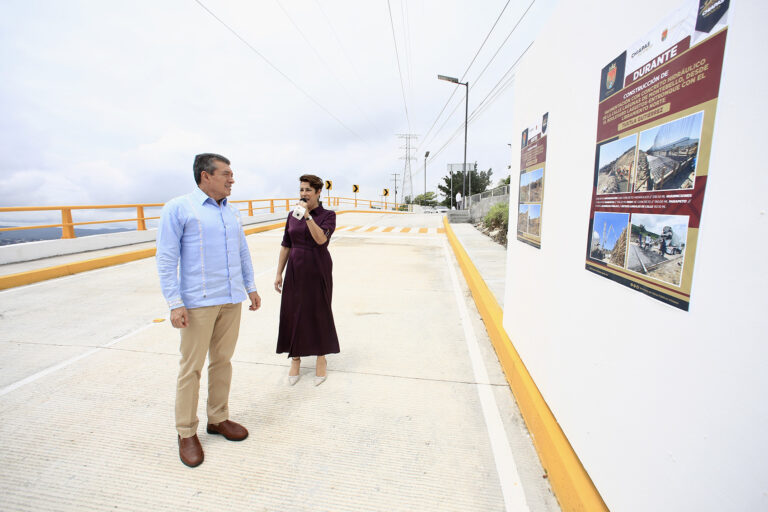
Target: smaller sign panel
column 355, row 189
column 328, row 184
column 386, row 192
column 533, row 163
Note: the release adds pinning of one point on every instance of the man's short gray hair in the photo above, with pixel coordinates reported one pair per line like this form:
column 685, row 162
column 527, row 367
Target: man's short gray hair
column 206, row 162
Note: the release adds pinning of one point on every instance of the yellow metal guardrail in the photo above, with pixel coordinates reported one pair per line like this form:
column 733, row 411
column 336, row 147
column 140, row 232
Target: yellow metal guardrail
column 253, row 205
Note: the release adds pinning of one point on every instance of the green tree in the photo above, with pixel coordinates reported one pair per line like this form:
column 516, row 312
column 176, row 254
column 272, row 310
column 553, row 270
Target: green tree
column 429, row 200
column 480, row 182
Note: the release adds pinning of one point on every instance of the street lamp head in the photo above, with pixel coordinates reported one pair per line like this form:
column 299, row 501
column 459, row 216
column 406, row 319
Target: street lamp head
column 426, row 155
column 448, row 78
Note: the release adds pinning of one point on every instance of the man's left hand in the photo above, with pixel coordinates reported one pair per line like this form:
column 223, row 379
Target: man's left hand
column 255, row 301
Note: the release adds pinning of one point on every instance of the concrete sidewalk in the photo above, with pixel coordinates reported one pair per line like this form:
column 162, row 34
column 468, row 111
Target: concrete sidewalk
column 415, row 415
column 489, row 257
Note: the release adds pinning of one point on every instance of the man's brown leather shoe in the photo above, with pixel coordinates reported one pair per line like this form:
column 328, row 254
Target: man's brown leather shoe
column 190, row 451
column 229, row 429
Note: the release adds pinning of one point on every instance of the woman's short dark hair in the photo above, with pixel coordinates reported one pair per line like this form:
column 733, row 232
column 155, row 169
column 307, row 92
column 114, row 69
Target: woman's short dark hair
column 206, row 162
column 314, row 182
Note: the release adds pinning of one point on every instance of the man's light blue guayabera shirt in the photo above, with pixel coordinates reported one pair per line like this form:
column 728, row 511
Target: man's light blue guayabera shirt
column 202, row 255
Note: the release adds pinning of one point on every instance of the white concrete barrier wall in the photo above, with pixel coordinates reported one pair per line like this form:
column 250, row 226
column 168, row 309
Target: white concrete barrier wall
column 30, row 251
column 666, row 409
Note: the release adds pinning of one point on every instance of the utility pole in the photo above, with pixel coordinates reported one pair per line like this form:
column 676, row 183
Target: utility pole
column 395, row 174
column 407, row 176
column 424, row 202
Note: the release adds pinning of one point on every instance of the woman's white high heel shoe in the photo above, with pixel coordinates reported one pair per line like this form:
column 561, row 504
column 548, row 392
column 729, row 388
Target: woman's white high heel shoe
column 293, row 379
column 320, row 379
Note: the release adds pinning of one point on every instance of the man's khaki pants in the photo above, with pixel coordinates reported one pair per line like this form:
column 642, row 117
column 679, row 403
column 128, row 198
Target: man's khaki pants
column 212, row 330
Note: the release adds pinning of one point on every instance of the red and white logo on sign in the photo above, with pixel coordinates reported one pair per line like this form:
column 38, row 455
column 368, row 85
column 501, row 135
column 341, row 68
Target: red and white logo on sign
column 610, row 78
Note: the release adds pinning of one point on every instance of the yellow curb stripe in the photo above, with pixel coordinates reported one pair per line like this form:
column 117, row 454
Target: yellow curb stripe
column 440, row 231
column 68, row 269
column 405, row 230
column 354, row 228
column 387, row 230
column 372, row 228
column 570, row 482
column 259, row 229
column 423, row 230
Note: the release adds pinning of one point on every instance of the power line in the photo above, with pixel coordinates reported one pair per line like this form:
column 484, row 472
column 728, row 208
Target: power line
column 407, row 38
column 463, row 75
column 505, row 40
column 297, row 86
column 486, row 66
column 336, row 35
column 324, row 62
column 400, row 72
column 492, row 95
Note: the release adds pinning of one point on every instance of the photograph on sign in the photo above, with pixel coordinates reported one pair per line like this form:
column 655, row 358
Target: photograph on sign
column 657, row 246
column 531, row 184
column 667, row 156
column 528, row 219
column 615, row 163
column 609, row 238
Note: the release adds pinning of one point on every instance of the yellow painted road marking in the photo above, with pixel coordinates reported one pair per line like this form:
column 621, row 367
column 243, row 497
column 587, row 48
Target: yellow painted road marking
column 259, row 229
column 395, row 229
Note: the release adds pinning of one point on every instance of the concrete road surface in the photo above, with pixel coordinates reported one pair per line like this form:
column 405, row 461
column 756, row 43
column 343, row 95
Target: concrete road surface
column 415, row 414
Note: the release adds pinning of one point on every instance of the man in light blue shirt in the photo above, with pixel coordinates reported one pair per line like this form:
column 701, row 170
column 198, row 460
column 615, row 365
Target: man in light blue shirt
column 205, row 273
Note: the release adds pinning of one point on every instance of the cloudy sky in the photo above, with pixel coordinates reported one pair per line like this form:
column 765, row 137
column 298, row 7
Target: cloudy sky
column 107, row 102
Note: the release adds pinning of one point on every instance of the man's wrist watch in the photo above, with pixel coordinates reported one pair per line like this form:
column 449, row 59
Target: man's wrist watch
column 310, row 219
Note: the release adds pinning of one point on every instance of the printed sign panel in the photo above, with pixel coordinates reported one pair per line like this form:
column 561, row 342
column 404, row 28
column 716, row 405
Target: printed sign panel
column 530, row 197
column 656, row 116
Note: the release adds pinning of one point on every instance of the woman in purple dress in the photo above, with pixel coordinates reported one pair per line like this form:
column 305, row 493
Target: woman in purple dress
column 306, row 319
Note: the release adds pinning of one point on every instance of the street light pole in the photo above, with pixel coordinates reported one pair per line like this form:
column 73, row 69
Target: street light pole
column 466, row 118
column 466, row 114
column 425, row 178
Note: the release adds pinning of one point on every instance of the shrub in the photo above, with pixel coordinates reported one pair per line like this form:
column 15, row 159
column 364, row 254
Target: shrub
column 497, row 217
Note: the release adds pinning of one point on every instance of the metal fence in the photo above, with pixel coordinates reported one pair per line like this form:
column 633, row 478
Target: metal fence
column 498, row 191
column 250, row 206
